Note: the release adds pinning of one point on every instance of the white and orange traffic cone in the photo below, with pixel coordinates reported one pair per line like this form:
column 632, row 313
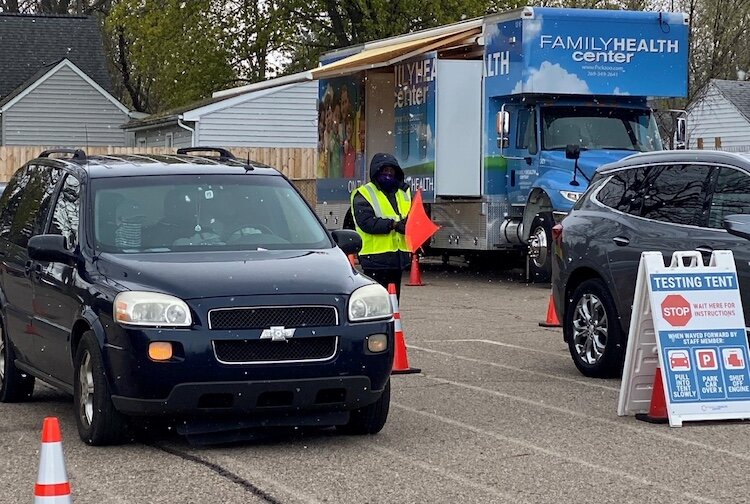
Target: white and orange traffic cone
column 52, row 486
column 400, row 358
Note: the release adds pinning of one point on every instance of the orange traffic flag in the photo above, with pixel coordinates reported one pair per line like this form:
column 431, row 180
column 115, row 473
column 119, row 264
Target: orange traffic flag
column 419, row 227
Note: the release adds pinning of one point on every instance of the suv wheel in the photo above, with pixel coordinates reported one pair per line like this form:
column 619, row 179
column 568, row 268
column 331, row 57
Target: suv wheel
column 370, row 419
column 99, row 423
column 15, row 386
column 593, row 332
column 540, row 248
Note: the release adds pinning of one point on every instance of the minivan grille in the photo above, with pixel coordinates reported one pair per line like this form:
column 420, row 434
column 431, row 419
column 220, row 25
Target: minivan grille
column 266, row 317
column 266, row 350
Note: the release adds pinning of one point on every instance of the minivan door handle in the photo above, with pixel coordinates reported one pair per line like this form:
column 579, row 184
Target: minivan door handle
column 621, row 241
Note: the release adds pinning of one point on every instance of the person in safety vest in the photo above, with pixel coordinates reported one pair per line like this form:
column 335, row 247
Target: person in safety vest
column 380, row 209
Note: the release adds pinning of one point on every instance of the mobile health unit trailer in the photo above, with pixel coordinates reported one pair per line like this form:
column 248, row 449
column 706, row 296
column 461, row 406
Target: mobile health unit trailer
column 501, row 121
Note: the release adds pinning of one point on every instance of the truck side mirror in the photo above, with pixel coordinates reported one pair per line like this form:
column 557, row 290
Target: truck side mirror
column 503, row 127
column 681, row 134
column 572, row 151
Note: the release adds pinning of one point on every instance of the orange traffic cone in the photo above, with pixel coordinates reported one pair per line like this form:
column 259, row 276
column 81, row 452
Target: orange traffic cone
column 552, row 320
column 657, row 412
column 52, row 486
column 400, row 358
column 415, row 276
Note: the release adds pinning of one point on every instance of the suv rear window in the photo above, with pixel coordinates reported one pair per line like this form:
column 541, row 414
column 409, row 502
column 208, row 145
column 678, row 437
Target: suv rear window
column 731, row 196
column 624, row 191
column 200, row 213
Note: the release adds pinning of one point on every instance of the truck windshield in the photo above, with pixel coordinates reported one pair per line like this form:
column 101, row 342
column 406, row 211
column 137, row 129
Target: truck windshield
column 600, row 128
column 202, row 213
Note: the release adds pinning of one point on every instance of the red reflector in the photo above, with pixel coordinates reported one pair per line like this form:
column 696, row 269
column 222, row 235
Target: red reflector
column 557, row 231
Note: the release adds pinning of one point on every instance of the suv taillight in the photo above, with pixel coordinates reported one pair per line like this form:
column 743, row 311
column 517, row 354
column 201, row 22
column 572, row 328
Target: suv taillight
column 557, row 232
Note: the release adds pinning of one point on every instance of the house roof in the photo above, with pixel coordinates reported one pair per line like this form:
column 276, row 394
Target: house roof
column 29, row 43
column 220, row 100
column 737, row 92
column 45, row 73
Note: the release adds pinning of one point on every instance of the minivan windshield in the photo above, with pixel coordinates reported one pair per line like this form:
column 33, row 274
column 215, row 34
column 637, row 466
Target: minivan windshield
column 202, row 213
column 605, row 128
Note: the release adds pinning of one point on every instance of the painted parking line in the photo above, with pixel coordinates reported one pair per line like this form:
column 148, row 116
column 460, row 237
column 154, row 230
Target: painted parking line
column 451, row 475
column 620, row 425
column 498, row 343
column 568, row 458
column 585, row 383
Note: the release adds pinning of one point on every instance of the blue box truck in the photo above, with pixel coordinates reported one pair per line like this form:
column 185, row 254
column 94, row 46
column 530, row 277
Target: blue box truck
column 501, row 121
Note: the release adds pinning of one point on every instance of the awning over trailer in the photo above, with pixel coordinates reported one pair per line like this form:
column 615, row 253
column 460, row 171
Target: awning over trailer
column 400, row 49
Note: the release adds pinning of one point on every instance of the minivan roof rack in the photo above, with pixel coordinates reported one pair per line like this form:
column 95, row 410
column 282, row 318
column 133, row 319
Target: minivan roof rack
column 77, row 154
column 224, row 154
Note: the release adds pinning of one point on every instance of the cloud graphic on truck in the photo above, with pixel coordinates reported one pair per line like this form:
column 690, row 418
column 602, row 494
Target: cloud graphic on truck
column 552, row 78
column 531, row 30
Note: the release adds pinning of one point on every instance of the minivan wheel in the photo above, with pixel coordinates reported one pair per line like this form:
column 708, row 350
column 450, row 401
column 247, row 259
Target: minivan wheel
column 540, row 248
column 15, row 386
column 371, row 418
column 99, row 423
column 592, row 330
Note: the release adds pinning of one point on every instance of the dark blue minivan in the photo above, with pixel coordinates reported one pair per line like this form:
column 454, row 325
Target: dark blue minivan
column 195, row 287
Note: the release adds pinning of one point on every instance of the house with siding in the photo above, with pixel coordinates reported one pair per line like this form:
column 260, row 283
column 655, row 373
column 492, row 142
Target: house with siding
column 55, row 88
column 274, row 113
column 719, row 117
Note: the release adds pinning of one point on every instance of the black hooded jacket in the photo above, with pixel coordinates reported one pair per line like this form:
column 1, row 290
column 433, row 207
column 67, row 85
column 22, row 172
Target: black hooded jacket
column 365, row 217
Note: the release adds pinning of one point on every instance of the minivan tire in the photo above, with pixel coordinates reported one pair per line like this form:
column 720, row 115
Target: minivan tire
column 594, row 293
column 371, row 418
column 15, row 386
column 99, row 423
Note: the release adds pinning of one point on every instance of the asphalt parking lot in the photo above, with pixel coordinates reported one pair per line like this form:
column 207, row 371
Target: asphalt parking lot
column 498, row 414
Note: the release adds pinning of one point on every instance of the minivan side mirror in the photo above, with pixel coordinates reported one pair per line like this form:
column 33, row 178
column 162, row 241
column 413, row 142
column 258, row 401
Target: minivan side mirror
column 49, row 248
column 738, row 225
column 349, row 241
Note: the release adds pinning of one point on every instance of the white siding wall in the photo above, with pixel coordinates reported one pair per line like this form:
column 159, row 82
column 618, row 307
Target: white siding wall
column 64, row 110
column 157, row 137
column 285, row 118
column 714, row 116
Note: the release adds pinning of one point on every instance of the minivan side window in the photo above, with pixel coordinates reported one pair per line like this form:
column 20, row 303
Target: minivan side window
column 731, row 196
column 11, row 199
column 677, row 194
column 67, row 212
column 624, row 191
column 30, row 216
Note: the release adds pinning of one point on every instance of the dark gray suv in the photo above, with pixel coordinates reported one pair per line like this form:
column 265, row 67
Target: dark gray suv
column 659, row 201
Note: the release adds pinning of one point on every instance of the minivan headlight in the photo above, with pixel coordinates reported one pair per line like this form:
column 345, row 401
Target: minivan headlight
column 370, row 302
column 151, row 309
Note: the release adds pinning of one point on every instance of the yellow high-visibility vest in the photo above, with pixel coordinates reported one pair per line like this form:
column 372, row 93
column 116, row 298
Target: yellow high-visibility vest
column 381, row 243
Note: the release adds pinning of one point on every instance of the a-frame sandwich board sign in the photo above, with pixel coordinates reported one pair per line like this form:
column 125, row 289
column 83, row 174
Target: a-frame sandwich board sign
column 688, row 318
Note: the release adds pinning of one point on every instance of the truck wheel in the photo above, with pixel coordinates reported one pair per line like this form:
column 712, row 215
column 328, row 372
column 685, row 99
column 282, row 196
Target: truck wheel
column 371, row 418
column 15, row 386
column 99, row 423
column 592, row 329
column 540, row 248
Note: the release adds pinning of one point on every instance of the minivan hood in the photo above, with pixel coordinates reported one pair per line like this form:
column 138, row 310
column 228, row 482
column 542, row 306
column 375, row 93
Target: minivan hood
column 589, row 161
column 192, row 275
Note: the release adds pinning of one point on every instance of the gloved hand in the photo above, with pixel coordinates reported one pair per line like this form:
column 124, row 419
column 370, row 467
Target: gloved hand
column 400, row 226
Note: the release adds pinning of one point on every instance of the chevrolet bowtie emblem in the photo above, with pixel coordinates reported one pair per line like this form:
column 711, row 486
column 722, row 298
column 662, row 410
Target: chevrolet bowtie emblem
column 278, row 333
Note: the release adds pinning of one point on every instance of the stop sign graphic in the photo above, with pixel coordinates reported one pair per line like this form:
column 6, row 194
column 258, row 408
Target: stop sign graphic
column 676, row 310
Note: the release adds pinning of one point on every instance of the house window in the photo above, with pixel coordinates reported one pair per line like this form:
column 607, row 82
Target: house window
column 169, row 142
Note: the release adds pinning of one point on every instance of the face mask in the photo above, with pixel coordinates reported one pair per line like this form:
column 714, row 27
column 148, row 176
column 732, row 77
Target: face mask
column 387, row 183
